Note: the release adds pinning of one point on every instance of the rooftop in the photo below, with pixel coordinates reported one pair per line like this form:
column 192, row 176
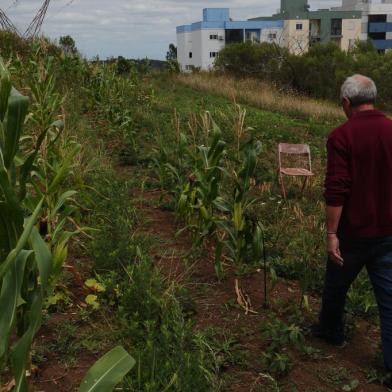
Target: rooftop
column 219, row 18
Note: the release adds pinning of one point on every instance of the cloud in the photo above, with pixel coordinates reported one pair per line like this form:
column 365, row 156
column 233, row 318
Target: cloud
column 131, row 28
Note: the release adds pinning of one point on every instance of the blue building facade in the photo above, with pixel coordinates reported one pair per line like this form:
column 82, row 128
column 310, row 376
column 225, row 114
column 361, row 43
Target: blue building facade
column 199, row 43
column 219, row 18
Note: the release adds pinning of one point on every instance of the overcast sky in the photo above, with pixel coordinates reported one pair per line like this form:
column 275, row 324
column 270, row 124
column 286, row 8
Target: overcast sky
column 131, row 28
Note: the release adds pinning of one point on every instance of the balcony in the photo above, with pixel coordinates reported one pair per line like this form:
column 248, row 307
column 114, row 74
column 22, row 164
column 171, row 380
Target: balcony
column 380, row 27
column 383, row 44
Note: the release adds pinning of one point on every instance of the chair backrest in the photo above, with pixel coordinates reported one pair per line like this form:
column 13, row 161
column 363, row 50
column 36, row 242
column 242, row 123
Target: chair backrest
column 286, row 148
column 295, row 149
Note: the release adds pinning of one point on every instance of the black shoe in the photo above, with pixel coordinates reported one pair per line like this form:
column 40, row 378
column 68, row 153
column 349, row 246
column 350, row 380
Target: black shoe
column 387, row 382
column 319, row 332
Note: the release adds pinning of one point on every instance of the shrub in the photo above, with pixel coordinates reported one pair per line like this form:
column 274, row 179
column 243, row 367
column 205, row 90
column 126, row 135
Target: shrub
column 263, row 61
column 319, row 73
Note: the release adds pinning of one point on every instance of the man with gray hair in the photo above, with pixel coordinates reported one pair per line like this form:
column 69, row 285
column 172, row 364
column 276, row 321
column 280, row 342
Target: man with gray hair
column 358, row 194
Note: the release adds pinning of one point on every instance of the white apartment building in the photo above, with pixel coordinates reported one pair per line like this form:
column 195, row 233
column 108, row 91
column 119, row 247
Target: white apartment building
column 198, row 44
column 376, row 20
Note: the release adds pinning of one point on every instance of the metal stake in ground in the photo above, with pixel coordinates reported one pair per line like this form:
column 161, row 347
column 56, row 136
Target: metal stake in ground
column 265, row 267
column 258, row 243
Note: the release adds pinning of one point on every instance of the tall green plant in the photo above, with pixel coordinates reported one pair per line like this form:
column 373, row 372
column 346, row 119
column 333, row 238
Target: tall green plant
column 25, row 264
column 172, row 160
column 197, row 173
column 201, row 197
column 55, row 158
column 243, row 232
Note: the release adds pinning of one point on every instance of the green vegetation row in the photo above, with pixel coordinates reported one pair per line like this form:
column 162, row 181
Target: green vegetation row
column 34, row 232
column 66, row 193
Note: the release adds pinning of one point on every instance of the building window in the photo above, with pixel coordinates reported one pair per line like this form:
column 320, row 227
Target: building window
column 382, row 18
column 190, row 55
column 213, row 36
column 234, row 36
column 213, row 54
column 272, row 36
column 252, row 36
column 336, row 27
column 315, row 28
column 298, row 26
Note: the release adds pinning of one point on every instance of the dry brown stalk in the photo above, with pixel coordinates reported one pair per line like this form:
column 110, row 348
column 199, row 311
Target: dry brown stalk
column 243, row 299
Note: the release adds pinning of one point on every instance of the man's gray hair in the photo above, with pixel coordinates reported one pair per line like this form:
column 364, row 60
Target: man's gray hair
column 359, row 90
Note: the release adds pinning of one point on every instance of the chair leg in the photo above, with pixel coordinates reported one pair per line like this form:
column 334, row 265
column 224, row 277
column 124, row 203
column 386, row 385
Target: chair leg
column 282, row 187
column 304, row 185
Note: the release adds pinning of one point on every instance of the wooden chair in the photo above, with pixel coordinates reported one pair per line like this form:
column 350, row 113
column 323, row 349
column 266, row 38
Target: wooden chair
column 300, row 164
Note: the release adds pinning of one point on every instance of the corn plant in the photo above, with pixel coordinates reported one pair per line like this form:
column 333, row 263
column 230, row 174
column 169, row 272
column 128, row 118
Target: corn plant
column 195, row 174
column 200, row 200
column 54, row 162
column 172, row 161
column 243, row 231
column 60, row 209
column 26, row 263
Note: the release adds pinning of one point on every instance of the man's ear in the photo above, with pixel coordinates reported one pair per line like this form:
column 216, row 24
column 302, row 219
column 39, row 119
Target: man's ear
column 346, row 104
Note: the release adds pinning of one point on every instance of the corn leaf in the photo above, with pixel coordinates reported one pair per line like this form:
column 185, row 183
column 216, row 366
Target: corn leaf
column 17, row 110
column 10, row 298
column 43, row 257
column 28, row 165
column 62, row 199
column 61, row 173
column 9, row 229
column 257, row 244
column 21, row 350
column 8, row 191
column 5, row 89
column 21, row 242
column 108, row 371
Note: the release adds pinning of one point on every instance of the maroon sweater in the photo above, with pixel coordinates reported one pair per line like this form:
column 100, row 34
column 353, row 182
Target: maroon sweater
column 359, row 175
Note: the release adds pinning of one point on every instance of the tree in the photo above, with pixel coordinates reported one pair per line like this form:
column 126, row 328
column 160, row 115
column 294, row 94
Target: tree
column 172, row 53
column 124, row 66
column 265, row 61
column 67, row 43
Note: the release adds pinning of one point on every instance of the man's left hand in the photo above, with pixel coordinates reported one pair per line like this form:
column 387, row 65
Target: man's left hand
column 333, row 249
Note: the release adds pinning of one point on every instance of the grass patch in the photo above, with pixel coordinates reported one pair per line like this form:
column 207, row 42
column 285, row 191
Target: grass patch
column 261, row 94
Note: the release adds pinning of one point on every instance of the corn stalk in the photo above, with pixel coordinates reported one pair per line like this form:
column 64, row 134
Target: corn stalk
column 200, row 198
column 26, row 262
column 243, row 231
column 55, row 158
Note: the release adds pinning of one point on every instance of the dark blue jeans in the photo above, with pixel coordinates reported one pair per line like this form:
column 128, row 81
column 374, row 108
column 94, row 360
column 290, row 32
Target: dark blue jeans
column 376, row 255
